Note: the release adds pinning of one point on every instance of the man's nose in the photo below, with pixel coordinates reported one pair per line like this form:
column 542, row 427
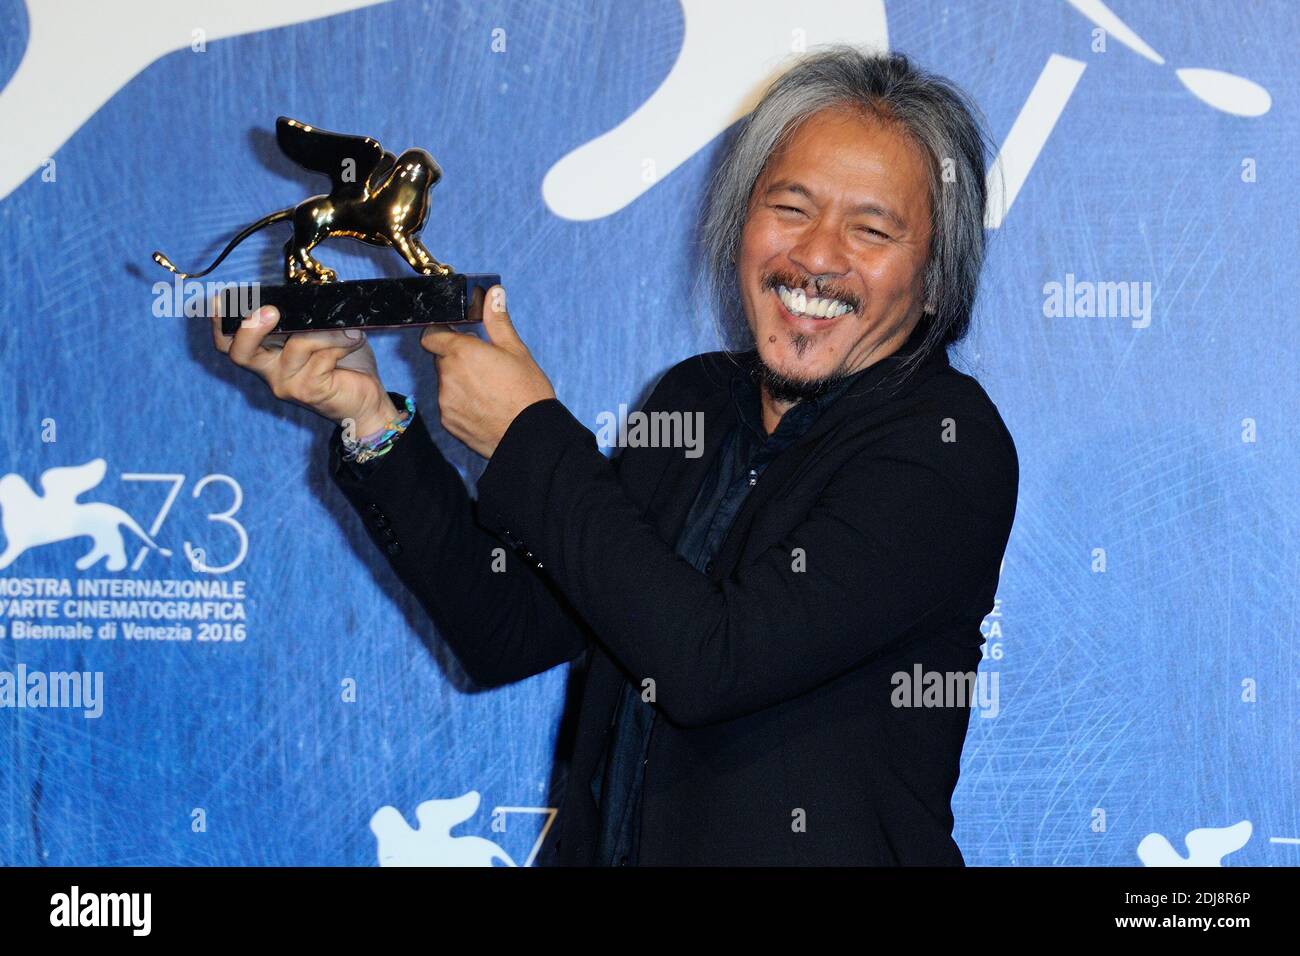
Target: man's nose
column 820, row 250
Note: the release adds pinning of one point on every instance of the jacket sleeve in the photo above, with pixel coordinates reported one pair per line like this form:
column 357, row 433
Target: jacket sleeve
column 899, row 536
column 490, row 602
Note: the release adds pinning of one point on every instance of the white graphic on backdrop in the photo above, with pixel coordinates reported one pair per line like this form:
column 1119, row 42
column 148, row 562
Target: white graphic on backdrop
column 81, row 52
column 57, row 515
column 715, row 83
column 711, row 85
column 1206, row 846
column 431, row 843
column 30, row 520
column 1028, row 135
column 730, row 49
column 1224, row 91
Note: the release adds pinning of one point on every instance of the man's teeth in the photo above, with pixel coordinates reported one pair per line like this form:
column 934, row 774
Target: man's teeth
column 799, row 304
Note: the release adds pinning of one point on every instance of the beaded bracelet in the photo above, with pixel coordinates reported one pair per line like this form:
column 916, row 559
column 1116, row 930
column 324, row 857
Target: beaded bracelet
column 379, row 443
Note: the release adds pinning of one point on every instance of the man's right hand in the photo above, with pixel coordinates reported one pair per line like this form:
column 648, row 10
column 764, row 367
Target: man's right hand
column 332, row 373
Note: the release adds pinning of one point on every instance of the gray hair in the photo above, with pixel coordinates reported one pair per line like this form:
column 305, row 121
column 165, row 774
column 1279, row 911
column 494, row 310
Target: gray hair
column 935, row 113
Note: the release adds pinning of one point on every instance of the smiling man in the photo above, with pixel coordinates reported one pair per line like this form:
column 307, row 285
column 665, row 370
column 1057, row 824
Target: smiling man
column 833, row 253
column 740, row 619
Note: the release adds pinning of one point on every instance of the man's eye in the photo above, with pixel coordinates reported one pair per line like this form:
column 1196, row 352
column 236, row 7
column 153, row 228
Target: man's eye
column 790, row 209
column 875, row 232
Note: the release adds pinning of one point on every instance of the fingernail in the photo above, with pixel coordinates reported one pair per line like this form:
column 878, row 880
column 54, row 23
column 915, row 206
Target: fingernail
column 499, row 299
column 352, row 334
column 266, row 315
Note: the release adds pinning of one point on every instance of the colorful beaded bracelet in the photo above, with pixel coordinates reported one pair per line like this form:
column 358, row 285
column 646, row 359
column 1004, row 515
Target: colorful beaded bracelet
column 379, row 443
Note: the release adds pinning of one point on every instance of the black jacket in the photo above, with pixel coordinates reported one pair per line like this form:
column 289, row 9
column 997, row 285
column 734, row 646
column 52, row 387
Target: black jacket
column 870, row 546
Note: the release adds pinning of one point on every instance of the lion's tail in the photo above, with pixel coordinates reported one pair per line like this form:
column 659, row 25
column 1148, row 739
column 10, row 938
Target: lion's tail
column 129, row 522
column 278, row 216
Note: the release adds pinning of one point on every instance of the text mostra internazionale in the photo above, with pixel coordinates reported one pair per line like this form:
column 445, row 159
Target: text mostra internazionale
column 129, row 598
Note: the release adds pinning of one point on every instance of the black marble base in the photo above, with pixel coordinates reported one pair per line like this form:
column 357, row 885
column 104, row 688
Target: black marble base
column 370, row 303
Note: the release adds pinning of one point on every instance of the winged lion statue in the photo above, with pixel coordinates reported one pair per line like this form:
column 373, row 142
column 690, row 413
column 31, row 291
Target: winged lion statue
column 374, row 196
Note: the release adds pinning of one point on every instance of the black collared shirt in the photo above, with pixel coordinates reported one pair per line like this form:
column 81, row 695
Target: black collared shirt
column 746, row 452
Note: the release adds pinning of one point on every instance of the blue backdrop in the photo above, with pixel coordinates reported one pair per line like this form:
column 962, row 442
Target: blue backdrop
column 1144, row 640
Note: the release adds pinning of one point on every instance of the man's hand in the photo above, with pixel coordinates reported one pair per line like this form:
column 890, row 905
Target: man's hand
column 332, row 373
column 482, row 386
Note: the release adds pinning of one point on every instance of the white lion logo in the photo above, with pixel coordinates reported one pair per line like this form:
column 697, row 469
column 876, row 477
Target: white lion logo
column 57, row 515
column 432, row 843
column 1206, row 846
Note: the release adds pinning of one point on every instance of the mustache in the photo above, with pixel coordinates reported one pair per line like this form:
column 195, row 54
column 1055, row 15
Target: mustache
column 798, row 280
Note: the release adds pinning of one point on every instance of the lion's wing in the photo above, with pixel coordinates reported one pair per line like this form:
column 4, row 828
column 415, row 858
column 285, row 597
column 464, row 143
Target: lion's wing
column 381, row 171
column 349, row 161
column 64, row 484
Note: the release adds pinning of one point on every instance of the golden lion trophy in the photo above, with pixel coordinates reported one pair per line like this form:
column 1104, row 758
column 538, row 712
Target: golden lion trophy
column 378, row 198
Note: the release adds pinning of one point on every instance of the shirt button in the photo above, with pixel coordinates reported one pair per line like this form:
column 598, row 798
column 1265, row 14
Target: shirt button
column 708, row 568
column 753, row 477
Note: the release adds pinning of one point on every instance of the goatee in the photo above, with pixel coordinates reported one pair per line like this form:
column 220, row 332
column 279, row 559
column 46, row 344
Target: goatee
column 787, row 390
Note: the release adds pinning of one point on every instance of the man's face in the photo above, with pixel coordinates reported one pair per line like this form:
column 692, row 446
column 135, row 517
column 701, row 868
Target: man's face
column 845, row 198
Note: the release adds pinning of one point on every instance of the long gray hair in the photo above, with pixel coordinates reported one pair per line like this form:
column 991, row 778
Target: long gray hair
column 934, row 112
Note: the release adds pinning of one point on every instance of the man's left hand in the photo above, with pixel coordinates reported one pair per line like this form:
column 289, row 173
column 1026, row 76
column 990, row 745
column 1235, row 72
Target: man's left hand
column 482, row 385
